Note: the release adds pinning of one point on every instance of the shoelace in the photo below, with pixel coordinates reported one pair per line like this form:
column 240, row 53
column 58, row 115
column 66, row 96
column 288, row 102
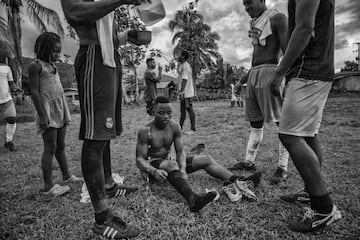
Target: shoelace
column 308, row 215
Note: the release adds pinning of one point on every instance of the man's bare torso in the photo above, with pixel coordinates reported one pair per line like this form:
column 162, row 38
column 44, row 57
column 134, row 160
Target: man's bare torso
column 160, row 141
column 268, row 54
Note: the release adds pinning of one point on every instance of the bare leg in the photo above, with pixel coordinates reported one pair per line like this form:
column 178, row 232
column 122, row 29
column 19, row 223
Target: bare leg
column 49, row 138
column 213, row 168
column 60, row 152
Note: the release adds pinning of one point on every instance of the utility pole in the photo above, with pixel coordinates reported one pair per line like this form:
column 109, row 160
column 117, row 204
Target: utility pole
column 358, row 54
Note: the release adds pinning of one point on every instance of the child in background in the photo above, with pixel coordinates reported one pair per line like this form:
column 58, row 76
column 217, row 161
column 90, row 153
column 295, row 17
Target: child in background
column 53, row 114
column 7, row 106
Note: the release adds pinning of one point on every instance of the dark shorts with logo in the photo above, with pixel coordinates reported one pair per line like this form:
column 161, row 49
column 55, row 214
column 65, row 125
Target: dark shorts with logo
column 100, row 95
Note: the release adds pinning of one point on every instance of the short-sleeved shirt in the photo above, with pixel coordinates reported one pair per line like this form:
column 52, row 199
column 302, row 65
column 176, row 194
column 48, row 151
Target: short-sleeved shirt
column 150, row 81
column 185, row 72
column 5, row 77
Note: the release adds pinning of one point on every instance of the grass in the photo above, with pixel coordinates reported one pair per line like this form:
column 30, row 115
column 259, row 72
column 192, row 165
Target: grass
column 159, row 211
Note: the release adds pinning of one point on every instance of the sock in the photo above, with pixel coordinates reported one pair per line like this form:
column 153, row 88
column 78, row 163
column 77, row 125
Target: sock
column 322, row 204
column 256, row 135
column 283, row 157
column 101, row 217
column 232, row 179
column 178, row 181
column 10, row 131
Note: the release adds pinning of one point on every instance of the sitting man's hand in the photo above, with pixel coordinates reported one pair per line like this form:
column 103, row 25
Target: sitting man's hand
column 160, row 175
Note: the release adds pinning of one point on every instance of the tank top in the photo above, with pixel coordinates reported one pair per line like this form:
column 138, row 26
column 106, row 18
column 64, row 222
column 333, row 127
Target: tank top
column 317, row 60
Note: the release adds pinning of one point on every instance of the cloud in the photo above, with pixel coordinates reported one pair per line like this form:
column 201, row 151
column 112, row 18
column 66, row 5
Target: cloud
column 229, row 19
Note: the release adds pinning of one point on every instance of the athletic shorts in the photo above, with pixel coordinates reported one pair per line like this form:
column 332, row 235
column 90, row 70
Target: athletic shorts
column 186, row 103
column 260, row 103
column 189, row 160
column 100, row 94
column 303, row 107
column 8, row 109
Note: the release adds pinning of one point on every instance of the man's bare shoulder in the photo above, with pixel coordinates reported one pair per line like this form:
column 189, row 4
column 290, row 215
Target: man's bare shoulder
column 278, row 19
column 174, row 126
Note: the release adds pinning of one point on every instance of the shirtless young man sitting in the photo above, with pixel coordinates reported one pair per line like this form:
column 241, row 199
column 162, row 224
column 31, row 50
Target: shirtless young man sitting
column 152, row 157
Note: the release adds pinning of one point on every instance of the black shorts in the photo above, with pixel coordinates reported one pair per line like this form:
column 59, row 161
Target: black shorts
column 149, row 107
column 100, row 94
column 189, row 160
column 186, row 103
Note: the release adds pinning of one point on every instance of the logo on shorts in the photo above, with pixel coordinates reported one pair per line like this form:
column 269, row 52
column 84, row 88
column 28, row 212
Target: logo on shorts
column 109, row 123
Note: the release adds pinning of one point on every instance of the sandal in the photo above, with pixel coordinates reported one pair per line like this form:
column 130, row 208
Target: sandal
column 57, row 190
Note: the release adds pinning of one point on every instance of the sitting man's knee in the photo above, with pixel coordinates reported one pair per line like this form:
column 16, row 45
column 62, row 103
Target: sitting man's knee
column 11, row 120
column 170, row 165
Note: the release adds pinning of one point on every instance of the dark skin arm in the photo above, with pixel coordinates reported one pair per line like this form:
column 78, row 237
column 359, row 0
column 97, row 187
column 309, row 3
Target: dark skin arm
column 79, row 12
column 34, row 79
column 299, row 39
column 141, row 156
column 280, row 29
column 179, row 149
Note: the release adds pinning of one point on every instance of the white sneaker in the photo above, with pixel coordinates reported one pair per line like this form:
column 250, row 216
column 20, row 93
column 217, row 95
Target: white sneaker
column 232, row 192
column 243, row 186
column 57, row 190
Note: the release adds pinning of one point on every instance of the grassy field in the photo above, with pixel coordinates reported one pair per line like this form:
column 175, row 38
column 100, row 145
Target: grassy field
column 159, row 211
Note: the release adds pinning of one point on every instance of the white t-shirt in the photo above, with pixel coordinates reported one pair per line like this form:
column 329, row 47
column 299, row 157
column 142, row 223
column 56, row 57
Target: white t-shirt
column 185, row 72
column 5, row 77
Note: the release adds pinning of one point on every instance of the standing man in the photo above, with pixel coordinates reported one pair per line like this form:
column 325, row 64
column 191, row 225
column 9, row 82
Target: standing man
column 308, row 64
column 98, row 73
column 268, row 32
column 187, row 91
column 7, row 106
column 151, row 78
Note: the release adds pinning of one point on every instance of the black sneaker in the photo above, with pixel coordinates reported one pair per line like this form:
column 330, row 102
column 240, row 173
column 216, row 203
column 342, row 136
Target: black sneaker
column 244, row 166
column 313, row 220
column 119, row 190
column 10, row 146
column 279, row 175
column 115, row 228
column 255, row 178
column 201, row 201
column 301, row 196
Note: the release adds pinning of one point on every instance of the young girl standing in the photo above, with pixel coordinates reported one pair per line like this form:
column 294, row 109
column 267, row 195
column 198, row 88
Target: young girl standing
column 52, row 111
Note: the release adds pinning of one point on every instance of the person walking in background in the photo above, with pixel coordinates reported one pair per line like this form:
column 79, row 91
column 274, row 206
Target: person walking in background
column 187, row 91
column 53, row 114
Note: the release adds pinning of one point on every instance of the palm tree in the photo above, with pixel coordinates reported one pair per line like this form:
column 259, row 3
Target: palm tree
column 10, row 26
column 196, row 37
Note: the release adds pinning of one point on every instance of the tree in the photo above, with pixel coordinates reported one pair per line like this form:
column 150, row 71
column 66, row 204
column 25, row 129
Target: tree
column 10, row 27
column 350, row 66
column 131, row 54
column 195, row 36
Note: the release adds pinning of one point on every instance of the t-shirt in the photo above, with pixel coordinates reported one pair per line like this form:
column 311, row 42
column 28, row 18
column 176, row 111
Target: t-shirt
column 5, row 77
column 317, row 60
column 185, row 72
column 150, row 81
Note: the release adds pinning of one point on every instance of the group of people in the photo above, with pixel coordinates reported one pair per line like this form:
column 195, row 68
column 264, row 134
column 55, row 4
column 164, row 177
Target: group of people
column 291, row 92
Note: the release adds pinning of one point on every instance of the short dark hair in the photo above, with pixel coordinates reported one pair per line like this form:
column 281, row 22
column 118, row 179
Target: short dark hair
column 149, row 60
column 44, row 45
column 185, row 54
column 161, row 99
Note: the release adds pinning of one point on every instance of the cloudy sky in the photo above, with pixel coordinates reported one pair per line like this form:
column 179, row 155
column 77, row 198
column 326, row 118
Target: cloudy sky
column 230, row 20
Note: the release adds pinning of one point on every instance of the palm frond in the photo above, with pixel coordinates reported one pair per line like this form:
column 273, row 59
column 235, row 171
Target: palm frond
column 40, row 15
